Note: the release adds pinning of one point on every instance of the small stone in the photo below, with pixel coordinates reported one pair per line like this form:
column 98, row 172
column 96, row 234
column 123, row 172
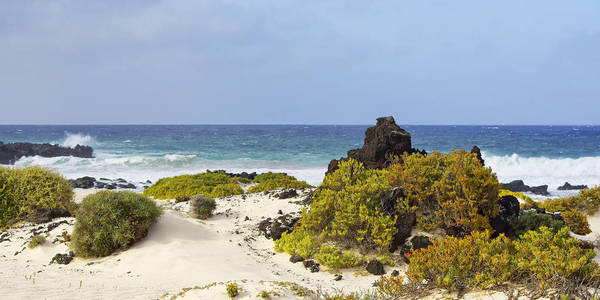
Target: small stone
column 337, row 277
column 296, row 258
column 246, row 218
column 62, row 259
column 280, row 212
column 395, row 273
column 375, row 267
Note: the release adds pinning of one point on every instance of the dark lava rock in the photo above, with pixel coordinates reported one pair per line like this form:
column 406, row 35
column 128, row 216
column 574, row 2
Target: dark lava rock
column 121, row 180
column 509, row 207
column 10, row 153
column 52, row 226
column 395, row 273
column 375, row 267
column 568, row 187
column 287, row 193
column 404, row 222
column 338, row 277
column 110, row 186
column 311, row 265
column 126, row 186
column 83, row 182
column 520, row 187
column 62, row 259
column 477, row 152
column 274, row 228
column 382, row 142
column 100, row 185
column 47, row 215
column 296, row 258
column 420, row 242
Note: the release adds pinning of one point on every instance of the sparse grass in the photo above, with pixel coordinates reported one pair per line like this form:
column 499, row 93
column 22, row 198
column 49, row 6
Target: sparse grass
column 202, row 207
column 36, row 241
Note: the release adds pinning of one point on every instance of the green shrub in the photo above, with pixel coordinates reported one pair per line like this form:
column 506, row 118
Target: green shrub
column 202, row 207
column 588, row 201
column 270, row 175
column 532, row 221
column 451, row 191
column 331, row 256
column 25, row 191
column 345, row 208
column 210, row 184
column 298, row 242
column 232, row 290
column 109, row 220
column 547, row 254
column 460, row 263
column 36, row 241
column 576, row 221
column 279, row 183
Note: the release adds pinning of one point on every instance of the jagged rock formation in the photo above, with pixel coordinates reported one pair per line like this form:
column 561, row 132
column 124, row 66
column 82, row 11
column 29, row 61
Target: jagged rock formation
column 477, row 152
column 382, row 142
column 568, row 187
column 520, row 187
column 10, row 153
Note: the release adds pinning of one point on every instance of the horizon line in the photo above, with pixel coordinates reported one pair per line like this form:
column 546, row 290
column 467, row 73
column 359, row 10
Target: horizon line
column 282, row 124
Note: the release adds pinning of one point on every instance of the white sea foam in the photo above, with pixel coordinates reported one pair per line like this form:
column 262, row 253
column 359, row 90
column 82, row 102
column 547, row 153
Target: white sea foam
column 542, row 170
column 74, row 139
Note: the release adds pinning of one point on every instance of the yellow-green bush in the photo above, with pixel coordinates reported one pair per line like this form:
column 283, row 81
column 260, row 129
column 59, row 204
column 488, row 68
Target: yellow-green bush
column 109, row 220
column 576, row 221
column 24, row 191
column 210, row 184
column 546, row 254
column 588, row 201
column 270, row 175
column 458, row 263
column 331, row 256
column 344, row 208
column 279, row 183
column 298, row 242
column 232, row 290
column 451, row 191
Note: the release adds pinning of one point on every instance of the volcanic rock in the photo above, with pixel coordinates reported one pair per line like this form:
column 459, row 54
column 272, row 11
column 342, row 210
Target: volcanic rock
column 477, row 152
column 85, row 182
column 382, row 142
column 520, row 187
column 420, row 242
column 375, row 267
column 10, row 153
column 568, row 187
column 404, row 222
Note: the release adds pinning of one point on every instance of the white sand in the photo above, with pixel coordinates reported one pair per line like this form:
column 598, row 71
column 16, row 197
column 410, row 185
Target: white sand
column 179, row 253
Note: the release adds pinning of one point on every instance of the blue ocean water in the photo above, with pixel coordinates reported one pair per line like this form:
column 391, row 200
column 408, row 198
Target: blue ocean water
column 538, row 154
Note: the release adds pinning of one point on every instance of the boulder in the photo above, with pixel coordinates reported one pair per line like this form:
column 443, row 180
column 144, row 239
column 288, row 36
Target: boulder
column 382, row 142
column 568, row 187
column 509, row 207
column 287, row 193
column 274, row 228
column 375, row 267
column 420, row 242
column 85, row 182
column 404, row 222
column 311, row 265
column 126, row 186
column 296, row 258
column 10, row 153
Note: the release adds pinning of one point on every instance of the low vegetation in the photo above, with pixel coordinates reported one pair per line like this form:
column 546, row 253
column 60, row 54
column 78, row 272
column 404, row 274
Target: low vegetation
column 451, row 191
column 576, row 221
column 108, row 221
column 278, row 182
column 26, row 191
column 532, row 220
column 202, row 207
column 588, row 201
column 209, row 184
column 232, row 290
column 36, row 241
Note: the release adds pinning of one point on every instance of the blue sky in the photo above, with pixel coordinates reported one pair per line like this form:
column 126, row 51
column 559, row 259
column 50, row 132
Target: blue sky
column 299, row 62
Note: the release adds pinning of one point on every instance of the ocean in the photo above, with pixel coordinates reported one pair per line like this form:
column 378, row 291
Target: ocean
column 537, row 154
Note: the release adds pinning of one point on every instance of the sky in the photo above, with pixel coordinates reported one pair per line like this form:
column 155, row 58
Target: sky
column 299, row 62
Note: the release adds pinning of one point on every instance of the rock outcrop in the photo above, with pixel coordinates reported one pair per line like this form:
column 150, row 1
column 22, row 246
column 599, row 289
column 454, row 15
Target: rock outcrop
column 477, row 152
column 382, row 142
column 10, row 153
column 520, row 187
column 568, row 187
column 404, row 222
column 509, row 208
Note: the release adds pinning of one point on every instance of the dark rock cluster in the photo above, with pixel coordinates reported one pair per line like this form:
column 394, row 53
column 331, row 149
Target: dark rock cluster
column 375, row 267
column 274, row 228
column 509, row 208
column 88, row 182
column 10, row 153
column 382, row 142
column 404, row 222
column 63, row 259
column 520, row 187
